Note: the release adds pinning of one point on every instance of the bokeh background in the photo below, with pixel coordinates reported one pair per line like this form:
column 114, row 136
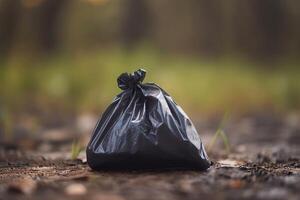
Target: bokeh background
column 59, row 59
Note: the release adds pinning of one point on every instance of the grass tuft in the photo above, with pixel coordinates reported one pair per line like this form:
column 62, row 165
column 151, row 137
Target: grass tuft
column 76, row 149
column 221, row 133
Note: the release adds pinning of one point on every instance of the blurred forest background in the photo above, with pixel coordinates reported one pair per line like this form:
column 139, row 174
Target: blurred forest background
column 60, row 58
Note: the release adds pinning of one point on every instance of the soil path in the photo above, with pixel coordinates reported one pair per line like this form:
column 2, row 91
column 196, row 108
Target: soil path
column 263, row 164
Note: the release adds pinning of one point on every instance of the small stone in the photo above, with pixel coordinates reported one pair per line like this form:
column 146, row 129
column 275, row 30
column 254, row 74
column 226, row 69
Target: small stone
column 75, row 189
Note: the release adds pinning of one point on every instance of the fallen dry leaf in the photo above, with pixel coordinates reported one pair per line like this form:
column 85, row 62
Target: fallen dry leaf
column 230, row 163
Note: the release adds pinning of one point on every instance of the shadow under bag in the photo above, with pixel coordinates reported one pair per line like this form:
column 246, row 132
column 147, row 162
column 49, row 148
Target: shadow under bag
column 143, row 128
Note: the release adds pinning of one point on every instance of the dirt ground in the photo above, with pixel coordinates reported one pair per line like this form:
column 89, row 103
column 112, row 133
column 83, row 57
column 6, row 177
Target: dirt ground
column 263, row 164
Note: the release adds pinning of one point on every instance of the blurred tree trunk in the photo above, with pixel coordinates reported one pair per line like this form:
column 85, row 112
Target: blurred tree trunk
column 292, row 34
column 135, row 22
column 47, row 27
column 209, row 27
column 271, row 20
column 10, row 11
column 193, row 28
column 33, row 27
column 260, row 27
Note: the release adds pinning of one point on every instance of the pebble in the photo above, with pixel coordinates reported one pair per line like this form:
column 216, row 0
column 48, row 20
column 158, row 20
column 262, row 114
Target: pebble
column 75, row 189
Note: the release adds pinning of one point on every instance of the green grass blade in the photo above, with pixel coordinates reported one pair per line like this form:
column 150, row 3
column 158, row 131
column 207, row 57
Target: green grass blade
column 220, row 133
column 76, row 149
column 213, row 140
column 225, row 141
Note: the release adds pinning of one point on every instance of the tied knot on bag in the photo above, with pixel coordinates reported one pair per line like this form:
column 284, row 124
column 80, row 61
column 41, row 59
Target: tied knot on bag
column 129, row 81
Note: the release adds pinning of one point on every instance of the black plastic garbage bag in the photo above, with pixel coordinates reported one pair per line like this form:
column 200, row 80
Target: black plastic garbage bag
column 144, row 128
